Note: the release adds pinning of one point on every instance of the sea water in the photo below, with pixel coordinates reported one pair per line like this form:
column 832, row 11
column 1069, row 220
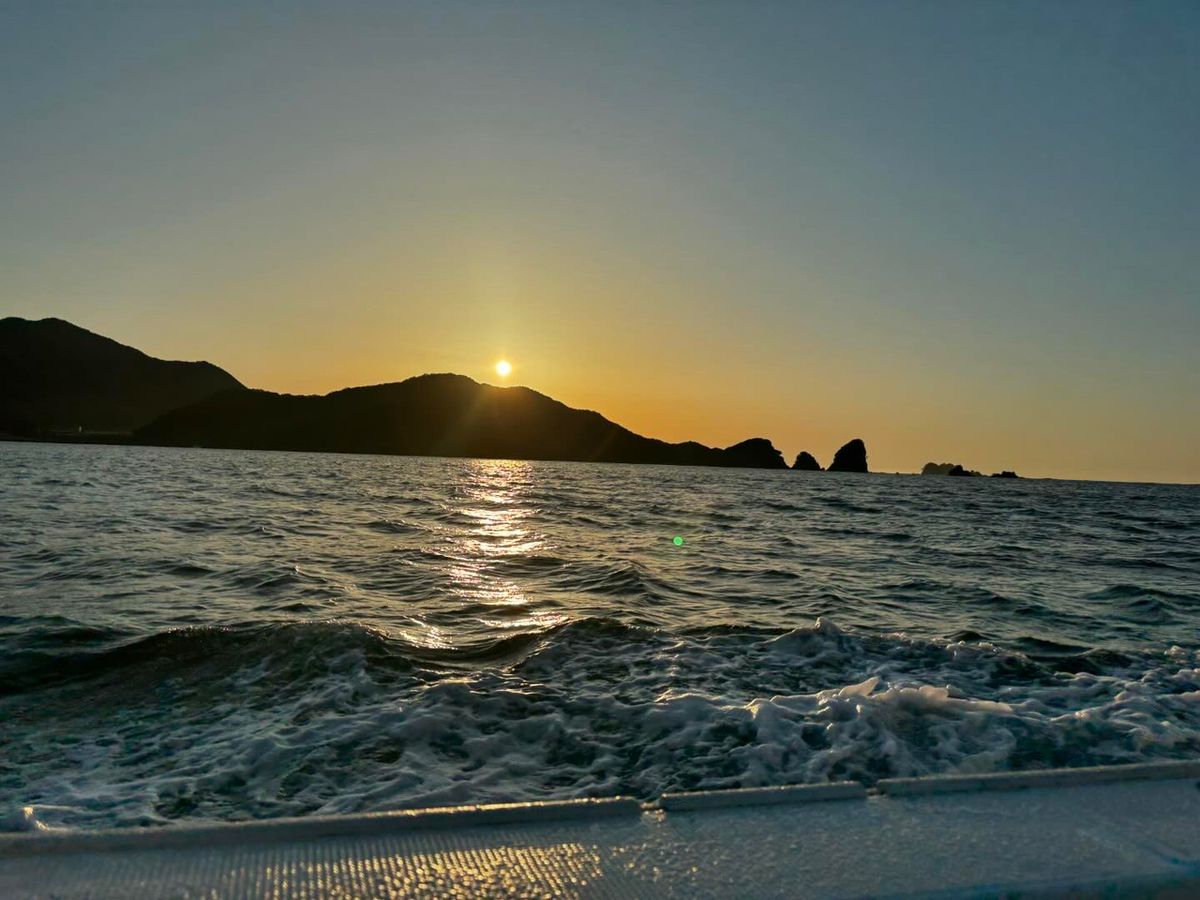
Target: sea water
column 191, row 635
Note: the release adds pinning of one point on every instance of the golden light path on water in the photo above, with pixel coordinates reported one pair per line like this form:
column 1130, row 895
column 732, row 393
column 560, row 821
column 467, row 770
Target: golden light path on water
column 499, row 512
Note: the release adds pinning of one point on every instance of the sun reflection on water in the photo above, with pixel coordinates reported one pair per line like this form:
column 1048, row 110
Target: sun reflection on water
column 500, row 515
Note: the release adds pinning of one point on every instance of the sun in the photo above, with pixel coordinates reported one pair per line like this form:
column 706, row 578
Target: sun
column 504, row 368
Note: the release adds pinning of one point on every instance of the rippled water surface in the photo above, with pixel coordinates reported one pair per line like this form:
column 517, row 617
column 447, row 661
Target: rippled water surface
column 192, row 634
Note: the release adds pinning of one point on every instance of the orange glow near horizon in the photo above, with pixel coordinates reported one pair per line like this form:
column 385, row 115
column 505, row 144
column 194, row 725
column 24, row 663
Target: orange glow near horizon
column 659, row 382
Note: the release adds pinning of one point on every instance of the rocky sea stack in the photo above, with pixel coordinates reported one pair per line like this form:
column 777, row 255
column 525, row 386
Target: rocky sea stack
column 806, row 462
column 957, row 471
column 753, row 453
column 932, row 468
column 852, row 457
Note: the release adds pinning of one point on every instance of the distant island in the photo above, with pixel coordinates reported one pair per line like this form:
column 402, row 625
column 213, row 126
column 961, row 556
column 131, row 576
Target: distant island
column 956, row 470
column 62, row 382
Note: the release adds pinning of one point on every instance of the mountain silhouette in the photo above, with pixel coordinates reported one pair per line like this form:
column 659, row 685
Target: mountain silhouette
column 432, row 415
column 60, row 380
column 56, row 377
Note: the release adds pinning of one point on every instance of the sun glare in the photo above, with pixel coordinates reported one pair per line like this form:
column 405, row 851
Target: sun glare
column 503, row 368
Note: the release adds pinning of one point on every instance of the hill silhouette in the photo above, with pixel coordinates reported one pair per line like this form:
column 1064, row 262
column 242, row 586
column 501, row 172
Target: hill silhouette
column 432, row 415
column 58, row 377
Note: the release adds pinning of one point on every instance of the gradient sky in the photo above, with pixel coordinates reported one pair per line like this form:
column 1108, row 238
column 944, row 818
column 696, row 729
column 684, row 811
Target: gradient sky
column 962, row 231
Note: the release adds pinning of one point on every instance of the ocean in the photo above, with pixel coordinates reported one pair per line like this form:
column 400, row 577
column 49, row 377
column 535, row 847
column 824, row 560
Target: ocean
column 200, row 635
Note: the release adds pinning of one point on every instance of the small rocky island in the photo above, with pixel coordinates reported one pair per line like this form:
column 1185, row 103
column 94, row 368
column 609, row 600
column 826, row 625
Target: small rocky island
column 955, row 470
column 806, row 462
column 851, row 457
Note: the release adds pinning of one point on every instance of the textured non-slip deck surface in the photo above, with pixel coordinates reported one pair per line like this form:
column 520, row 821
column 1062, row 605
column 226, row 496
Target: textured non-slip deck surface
column 1130, row 838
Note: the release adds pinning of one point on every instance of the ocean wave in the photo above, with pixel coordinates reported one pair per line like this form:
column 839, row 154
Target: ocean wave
column 198, row 655
column 395, row 526
column 625, row 579
column 1137, row 592
column 209, row 653
column 307, row 718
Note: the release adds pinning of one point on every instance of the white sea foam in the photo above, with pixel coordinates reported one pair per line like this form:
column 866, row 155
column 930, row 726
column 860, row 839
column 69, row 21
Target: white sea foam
column 358, row 738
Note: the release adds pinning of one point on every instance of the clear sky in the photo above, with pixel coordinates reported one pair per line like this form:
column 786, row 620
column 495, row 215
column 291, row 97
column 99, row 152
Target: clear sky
column 962, row 231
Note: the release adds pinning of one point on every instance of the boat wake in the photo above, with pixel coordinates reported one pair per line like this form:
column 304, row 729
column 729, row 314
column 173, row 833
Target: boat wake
column 306, row 717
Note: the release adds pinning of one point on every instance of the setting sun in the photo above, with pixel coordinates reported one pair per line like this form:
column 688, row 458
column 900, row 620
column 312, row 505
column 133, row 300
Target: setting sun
column 503, row 368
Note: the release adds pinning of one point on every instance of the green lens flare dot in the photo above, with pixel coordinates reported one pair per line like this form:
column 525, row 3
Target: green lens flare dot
column 678, row 541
